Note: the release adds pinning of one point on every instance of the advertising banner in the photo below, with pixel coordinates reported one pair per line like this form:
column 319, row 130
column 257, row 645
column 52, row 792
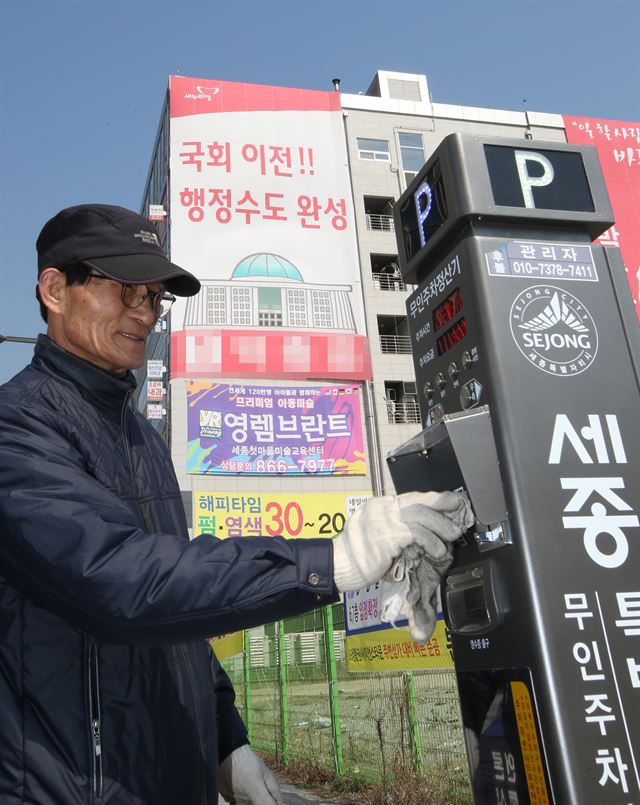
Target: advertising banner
column 274, row 430
column 155, row 411
column 227, row 645
column 373, row 645
column 155, row 390
column 155, row 369
column 156, row 212
column 618, row 145
column 395, row 650
column 262, row 213
column 253, row 514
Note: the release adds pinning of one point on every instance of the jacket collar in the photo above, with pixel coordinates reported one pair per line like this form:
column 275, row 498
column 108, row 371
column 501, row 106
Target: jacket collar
column 95, row 384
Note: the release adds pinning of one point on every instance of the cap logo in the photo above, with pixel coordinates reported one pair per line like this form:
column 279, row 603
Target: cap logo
column 147, row 237
column 122, row 244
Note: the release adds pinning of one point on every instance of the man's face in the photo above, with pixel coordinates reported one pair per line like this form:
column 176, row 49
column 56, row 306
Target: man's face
column 95, row 325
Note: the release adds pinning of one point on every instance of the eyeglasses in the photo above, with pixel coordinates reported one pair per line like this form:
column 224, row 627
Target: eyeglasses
column 131, row 297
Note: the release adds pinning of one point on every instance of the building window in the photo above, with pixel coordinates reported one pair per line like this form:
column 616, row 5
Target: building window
column 321, row 306
column 411, row 154
column 402, row 402
column 269, row 319
column 394, row 335
column 385, row 273
column 373, row 149
column 241, row 306
column 379, row 213
column 216, row 305
column 270, row 307
column 296, row 308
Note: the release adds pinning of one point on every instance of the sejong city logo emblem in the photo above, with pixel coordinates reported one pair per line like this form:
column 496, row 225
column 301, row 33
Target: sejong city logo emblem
column 553, row 330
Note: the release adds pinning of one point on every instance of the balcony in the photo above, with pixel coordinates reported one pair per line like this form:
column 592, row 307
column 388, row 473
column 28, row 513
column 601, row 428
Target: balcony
column 385, row 272
column 387, row 282
column 379, row 213
column 400, row 413
column 394, row 335
column 397, row 344
column 379, row 223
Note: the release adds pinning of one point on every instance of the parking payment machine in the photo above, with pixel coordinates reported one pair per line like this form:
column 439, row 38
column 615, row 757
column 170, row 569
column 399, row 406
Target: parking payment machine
column 525, row 346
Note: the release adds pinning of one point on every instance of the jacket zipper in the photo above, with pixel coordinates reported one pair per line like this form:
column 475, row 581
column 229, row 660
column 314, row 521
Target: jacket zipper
column 94, row 716
column 125, row 437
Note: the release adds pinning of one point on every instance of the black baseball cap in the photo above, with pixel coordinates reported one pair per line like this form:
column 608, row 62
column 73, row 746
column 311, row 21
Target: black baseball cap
column 121, row 244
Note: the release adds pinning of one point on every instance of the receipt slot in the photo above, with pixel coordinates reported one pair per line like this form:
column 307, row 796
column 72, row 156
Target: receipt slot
column 526, row 354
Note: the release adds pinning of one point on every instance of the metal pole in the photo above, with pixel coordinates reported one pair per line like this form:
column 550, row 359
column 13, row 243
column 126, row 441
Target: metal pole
column 375, row 459
column 332, row 679
column 415, row 739
column 246, row 671
column 17, row 339
column 282, row 681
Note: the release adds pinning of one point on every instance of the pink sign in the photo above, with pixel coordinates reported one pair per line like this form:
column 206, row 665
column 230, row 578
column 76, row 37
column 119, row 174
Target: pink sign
column 618, row 145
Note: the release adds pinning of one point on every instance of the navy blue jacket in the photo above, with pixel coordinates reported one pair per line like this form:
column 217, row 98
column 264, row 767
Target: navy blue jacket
column 108, row 689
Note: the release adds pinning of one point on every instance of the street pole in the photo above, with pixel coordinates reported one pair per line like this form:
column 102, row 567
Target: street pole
column 17, row 339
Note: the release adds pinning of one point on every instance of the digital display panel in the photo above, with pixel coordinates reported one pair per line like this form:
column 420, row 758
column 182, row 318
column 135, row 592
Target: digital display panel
column 447, row 310
column 423, row 212
column 538, row 178
column 452, row 336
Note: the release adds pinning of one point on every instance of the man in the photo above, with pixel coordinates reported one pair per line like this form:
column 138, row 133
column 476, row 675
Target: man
column 108, row 689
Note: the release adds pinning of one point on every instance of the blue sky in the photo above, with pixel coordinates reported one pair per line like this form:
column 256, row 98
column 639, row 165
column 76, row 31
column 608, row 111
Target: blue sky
column 82, row 84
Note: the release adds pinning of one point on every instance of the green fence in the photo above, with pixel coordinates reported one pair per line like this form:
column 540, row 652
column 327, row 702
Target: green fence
column 300, row 703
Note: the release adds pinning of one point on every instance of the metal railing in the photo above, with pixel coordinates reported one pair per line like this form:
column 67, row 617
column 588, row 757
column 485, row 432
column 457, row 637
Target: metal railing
column 397, row 344
column 379, row 223
column 388, row 282
column 399, row 413
column 306, row 706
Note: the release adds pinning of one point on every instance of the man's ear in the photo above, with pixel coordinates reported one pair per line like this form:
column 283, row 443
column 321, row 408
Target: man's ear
column 52, row 285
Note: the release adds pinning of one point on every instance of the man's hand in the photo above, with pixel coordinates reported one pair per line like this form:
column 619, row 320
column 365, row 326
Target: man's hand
column 245, row 780
column 378, row 532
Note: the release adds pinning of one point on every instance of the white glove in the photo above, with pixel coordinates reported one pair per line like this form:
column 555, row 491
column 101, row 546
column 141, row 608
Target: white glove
column 245, row 780
column 378, row 532
column 409, row 589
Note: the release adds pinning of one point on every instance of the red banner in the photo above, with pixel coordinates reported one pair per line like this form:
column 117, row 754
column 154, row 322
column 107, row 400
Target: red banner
column 618, row 145
column 200, row 96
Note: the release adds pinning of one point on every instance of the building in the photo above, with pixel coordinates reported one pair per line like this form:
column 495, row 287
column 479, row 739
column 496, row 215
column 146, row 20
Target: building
column 297, row 347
